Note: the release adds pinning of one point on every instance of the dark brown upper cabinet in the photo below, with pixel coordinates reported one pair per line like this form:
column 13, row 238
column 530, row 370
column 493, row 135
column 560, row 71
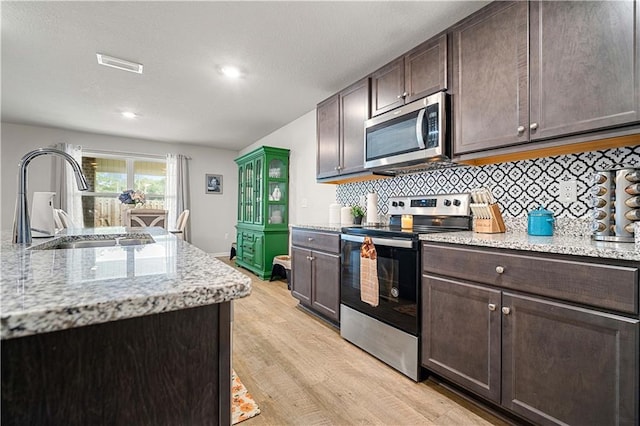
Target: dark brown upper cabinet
column 490, row 88
column 533, row 71
column 420, row 72
column 584, row 66
column 340, row 128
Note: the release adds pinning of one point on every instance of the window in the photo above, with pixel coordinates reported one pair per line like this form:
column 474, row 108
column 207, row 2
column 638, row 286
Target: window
column 109, row 175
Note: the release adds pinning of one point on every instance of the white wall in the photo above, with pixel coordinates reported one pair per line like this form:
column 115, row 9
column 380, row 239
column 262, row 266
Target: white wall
column 300, row 137
column 212, row 216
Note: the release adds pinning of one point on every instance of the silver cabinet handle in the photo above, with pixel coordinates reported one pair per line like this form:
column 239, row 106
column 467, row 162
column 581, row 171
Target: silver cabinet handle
column 520, row 129
column 308, row 257
column 311, row 258
column 492, row 307
column 500, row 269
column 506, row 310
column 533, row 126
column 310, row 239
column 404, row 95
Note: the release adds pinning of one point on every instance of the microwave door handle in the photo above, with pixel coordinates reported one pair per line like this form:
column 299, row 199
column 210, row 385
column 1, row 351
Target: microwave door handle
column 419, row 136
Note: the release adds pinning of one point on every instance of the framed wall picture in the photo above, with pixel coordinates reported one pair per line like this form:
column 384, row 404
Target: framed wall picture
column 213, row 184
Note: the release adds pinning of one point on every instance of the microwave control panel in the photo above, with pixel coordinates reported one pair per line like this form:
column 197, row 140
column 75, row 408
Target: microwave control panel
column 432, row 122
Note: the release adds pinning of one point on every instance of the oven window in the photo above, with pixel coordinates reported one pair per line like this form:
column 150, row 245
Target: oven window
column 398, row 285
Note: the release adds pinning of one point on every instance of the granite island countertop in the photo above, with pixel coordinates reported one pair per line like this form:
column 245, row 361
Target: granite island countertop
column 575, row 245
column 51, row 290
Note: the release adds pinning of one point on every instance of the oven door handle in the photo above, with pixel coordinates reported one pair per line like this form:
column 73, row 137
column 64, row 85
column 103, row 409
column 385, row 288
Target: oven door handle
column 388, row 242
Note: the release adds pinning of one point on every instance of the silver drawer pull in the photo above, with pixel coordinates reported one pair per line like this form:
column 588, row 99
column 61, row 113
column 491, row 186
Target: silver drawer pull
column 310, row 239
column 520, row 129
column 492, row 307
column 533, row 126
column 506, row 310
column 500, row 269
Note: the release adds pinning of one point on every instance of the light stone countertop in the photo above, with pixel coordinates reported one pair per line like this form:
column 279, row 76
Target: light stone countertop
column 51, row 290
column 559, row 244
column 321, row 227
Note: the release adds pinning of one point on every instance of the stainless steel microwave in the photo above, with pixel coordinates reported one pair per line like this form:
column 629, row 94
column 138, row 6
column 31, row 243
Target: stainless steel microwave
column 408, row 136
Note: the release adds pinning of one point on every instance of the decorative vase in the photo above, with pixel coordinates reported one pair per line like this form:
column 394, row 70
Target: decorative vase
column 276, row 194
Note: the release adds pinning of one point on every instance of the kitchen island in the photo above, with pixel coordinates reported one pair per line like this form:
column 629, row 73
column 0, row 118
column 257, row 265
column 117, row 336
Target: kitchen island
column 136, row 334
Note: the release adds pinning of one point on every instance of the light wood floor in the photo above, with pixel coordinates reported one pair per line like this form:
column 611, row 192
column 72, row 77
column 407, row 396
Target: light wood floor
column 301, row 372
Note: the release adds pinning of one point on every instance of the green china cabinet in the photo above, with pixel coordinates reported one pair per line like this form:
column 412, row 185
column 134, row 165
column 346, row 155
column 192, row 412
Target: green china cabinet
column 263, row 209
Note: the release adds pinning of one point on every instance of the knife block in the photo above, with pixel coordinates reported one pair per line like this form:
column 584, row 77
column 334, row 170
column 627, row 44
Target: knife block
column 495, row 225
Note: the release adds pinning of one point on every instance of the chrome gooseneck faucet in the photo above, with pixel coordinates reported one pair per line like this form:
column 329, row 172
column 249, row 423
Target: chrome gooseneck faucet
column 21, row 221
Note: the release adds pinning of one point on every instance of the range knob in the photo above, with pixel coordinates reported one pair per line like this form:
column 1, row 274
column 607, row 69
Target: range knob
column 456, row 202
column 401, row 203
column 447, row 203
column 394, row 204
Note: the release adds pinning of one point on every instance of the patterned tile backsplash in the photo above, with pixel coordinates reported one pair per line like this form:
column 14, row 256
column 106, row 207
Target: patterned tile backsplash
column 519, row 186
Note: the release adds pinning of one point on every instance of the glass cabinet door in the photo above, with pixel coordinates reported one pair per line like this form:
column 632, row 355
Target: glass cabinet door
column 248, row 192
column 258, row 196
column 241, row 200
column 277, row 187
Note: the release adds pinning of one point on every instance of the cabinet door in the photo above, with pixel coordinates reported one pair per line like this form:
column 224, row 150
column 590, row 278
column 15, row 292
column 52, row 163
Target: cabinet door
column 584, row 66
column 326, row 284
column 328, row 138
column 461, row 334
column 301, row 275
column 425, row 69
column 354, row 110
column 568, row 365
column 387, row 87
column 490, row 78
column 239, row 245
column 258, row 251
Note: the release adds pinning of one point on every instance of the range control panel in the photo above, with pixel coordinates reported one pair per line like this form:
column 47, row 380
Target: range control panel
column 431, row 205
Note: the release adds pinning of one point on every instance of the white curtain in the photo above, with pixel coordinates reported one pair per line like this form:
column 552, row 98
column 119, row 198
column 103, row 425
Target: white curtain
column 69, row 198
column 177, row 190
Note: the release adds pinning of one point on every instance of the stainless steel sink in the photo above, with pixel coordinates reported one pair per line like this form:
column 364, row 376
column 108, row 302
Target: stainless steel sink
column 75, row 242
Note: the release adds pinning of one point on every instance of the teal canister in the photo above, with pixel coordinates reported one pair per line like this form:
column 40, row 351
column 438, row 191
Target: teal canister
column 540, row 222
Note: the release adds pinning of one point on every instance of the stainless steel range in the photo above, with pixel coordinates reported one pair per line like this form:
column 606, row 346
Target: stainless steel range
column 390, row 331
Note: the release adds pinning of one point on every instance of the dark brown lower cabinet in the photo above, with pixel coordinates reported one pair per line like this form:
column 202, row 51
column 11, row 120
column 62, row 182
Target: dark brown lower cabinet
column 172, row 368
column 548, row 361
column 567, row 365
column 316, row 274
column 461, row 334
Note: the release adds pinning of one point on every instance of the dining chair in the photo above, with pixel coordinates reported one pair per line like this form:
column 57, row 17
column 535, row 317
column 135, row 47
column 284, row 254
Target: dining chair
column 62, row 219
column 181, row 224
column 137, row 218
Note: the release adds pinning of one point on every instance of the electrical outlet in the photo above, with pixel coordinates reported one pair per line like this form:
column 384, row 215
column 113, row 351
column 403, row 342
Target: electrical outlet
column 363, row 201
column 568, row 191
column 303, row 203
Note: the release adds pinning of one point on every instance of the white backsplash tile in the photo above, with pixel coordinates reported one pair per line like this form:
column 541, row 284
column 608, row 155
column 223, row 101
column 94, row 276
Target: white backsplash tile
column 519, row 186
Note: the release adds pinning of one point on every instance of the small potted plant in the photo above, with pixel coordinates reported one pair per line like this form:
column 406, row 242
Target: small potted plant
column 358, row 214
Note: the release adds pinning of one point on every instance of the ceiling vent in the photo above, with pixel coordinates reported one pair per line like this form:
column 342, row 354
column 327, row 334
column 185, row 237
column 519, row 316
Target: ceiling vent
column 121, row 64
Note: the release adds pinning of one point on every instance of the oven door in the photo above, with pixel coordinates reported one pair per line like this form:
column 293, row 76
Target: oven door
column 398, row 278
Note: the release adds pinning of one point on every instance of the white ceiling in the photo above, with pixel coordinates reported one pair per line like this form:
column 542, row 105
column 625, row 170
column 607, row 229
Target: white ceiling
column 295, row 54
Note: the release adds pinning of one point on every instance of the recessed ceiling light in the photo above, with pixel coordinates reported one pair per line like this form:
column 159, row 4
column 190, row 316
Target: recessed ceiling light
column 121, row 64
column 129, row 114
column 230, row 71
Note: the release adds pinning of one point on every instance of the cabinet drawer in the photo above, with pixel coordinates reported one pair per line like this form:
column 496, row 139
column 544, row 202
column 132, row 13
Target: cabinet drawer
column 605, row 286
column 316, row 240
